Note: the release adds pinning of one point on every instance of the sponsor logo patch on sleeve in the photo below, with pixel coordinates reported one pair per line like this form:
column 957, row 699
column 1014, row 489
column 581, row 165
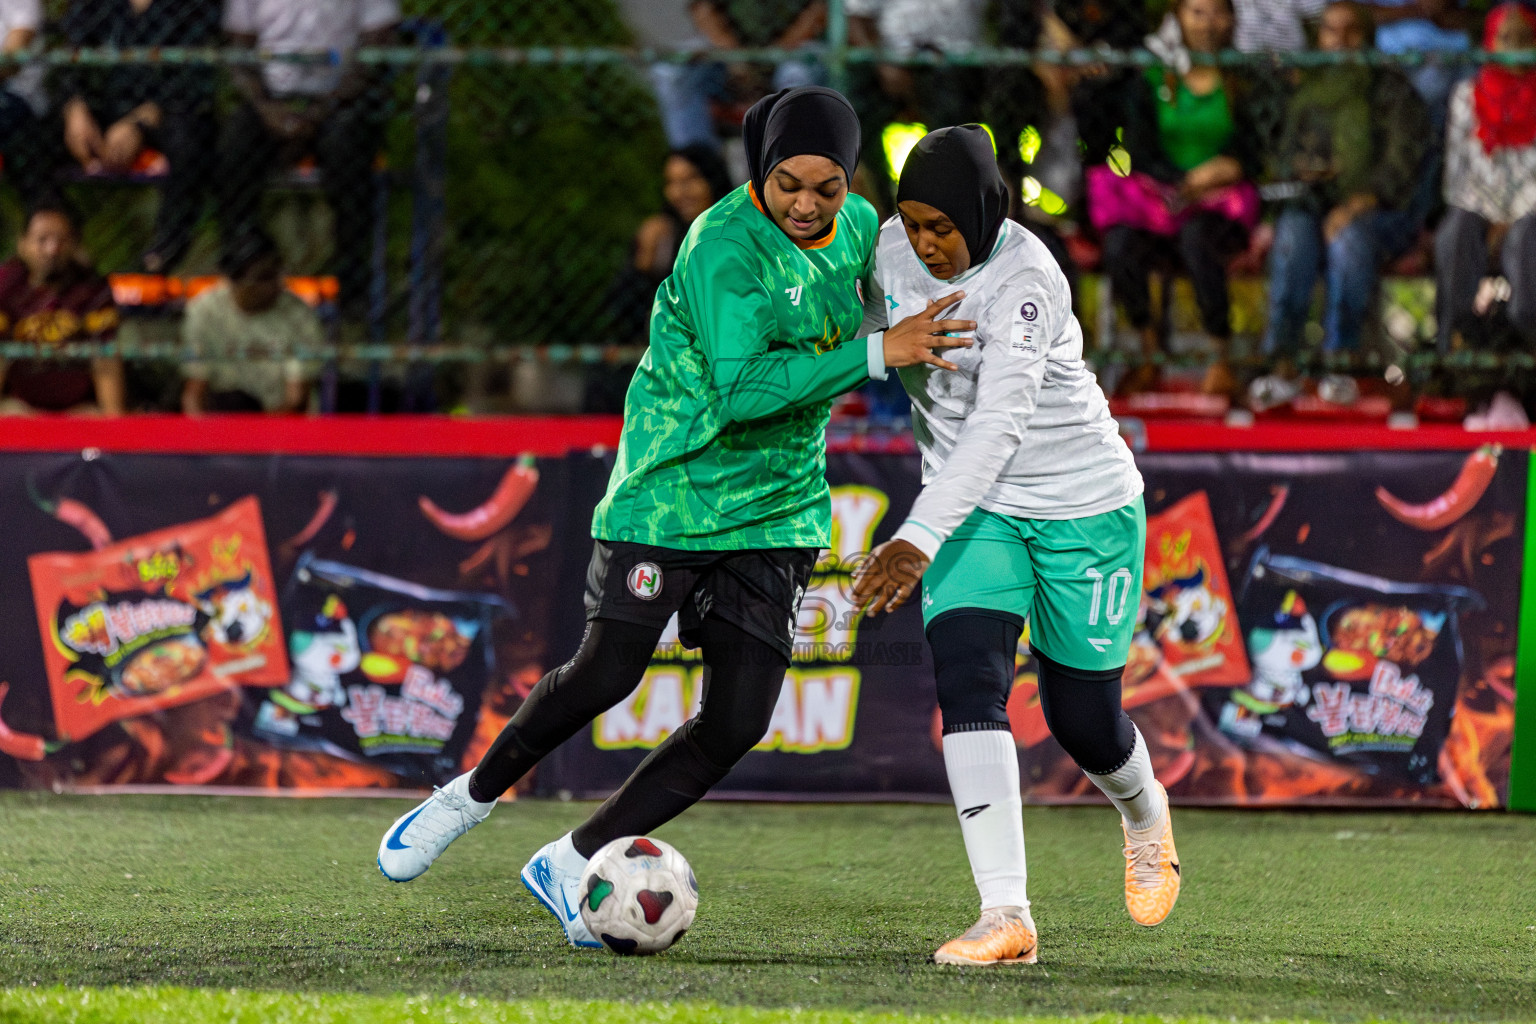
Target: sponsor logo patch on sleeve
column 1021, row 339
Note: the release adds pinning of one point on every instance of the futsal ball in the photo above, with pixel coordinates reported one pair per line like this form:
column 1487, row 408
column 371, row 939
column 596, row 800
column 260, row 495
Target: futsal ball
column 638, row 896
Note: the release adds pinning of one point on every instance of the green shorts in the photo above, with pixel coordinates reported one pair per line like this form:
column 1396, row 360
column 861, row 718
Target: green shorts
column 1076, row 581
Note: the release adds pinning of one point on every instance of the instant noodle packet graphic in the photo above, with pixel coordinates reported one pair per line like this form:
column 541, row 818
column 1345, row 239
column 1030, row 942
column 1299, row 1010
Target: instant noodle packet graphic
column 385, row 671
column 158, row 620
column 1361, row 669
column 1188, row 606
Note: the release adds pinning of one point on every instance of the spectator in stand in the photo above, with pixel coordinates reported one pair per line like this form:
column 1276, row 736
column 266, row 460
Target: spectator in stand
column 684, row 91
column 290, row 110
column 1278, row 26
column 114, row 114
column 1040, row 153
column 23, row 100
column 1072, row 103
column 1273, row 26
column 1490, row 189
column 49, row 296
column 1029, row 108
column 1263, row 26
column 1428, row 26
column 1267, row 26
column 1356, row 141
column 1095, row 24
column 693, row 180
column 246, row 338
column 1187, row 197
column 892, row 97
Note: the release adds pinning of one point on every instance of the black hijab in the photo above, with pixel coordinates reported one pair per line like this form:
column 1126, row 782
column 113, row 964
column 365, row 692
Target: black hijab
column 808, row 121
column 954, row 170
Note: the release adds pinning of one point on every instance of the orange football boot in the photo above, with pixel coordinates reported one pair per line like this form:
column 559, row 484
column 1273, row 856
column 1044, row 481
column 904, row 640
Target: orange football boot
column 1151, row 869
column 1002, row 936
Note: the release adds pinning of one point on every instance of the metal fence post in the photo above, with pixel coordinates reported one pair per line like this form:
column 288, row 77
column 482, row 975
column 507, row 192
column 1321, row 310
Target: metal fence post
column 837, row 45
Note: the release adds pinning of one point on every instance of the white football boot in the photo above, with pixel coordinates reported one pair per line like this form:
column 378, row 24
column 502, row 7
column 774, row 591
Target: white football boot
column 417, row 839
column 553, row 875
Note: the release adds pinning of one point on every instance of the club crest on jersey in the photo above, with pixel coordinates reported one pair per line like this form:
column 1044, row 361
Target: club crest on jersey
column 1029, row 311
column 645, row 580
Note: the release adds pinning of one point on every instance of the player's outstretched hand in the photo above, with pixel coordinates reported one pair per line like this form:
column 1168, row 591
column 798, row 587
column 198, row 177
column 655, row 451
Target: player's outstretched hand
column 913, row 340
column 888, row 577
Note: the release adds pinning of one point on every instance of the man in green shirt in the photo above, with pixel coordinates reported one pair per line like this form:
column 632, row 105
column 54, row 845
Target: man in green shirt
column 1357, row 142
column 718, row 505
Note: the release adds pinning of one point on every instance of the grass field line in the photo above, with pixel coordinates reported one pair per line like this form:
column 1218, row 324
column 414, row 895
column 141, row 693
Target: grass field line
column 243, row 1006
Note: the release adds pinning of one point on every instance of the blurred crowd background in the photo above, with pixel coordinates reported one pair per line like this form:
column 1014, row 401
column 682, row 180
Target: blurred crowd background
column 461, row 205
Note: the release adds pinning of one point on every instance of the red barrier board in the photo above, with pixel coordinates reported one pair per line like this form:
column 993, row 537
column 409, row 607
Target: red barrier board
column 312, row 435
column 552, row 436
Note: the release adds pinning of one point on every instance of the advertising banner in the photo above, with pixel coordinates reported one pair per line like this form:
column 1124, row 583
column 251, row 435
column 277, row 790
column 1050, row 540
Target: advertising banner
column 1334, row 628
column 283, row 622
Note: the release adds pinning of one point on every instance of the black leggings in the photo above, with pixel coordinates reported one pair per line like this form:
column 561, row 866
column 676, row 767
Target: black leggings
column 1461, row 263
column 973, row 651
column 1203, row 246
column 742, row 679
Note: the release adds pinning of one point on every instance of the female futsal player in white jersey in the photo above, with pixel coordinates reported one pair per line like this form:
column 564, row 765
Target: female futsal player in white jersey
column 1030, row 511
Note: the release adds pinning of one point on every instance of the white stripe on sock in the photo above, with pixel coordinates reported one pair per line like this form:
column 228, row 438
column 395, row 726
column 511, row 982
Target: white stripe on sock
column 983, row 770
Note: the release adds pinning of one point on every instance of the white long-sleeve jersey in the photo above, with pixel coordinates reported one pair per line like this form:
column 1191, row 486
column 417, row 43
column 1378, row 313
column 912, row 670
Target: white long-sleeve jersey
column 1022, row 427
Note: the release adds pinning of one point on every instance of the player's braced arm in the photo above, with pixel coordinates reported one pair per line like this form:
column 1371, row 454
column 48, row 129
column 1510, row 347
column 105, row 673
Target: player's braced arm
column 734, row 322
column 876, row 315
column 756, row 387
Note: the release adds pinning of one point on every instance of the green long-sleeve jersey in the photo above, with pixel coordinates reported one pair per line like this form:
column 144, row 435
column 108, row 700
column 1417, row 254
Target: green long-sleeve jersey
column 724, row 423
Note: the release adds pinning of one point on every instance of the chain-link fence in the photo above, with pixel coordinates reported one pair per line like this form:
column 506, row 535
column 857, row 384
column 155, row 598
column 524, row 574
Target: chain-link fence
column 456, row 180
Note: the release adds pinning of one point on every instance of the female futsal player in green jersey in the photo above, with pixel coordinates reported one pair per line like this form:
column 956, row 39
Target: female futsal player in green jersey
column 718, row 505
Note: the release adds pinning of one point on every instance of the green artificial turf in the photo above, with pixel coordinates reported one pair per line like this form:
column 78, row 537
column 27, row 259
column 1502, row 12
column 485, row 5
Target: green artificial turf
column 241, row 1006
column 1284, row 915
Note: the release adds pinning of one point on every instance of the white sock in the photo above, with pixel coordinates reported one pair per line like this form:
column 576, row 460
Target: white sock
column 566, row 858
column 1131, row 788
column 460, row 787
column 983, row 770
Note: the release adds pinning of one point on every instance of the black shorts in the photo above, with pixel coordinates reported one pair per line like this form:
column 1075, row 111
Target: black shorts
column 757, row 591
